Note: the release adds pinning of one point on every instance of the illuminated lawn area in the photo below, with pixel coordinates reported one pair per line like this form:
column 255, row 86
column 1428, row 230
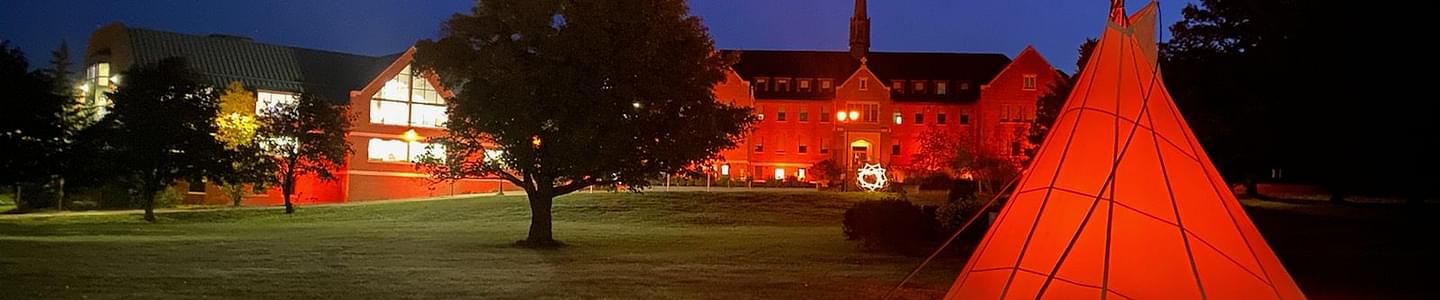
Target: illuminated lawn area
column 686, row 245
column 653, row 245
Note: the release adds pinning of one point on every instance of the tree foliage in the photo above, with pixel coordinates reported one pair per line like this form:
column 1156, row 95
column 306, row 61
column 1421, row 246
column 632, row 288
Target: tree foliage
column 31, row 124
column 239, row 130
column 305, row 138
column 161, row 130
column 569, row 94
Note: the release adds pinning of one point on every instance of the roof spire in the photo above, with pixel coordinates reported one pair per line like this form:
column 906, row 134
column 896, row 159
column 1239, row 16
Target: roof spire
column 860, row 31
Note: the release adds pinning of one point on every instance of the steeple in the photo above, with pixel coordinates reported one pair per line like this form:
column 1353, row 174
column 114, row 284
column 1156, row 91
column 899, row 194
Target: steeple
column 859, row 31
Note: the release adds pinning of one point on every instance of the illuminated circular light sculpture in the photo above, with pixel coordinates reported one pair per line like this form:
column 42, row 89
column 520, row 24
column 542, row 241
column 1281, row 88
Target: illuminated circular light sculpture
column 871, row 177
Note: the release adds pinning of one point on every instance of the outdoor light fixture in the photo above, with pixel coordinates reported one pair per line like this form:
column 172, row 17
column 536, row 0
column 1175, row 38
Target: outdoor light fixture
column 854, row 115
column 410, row 136
column 840, row 116
column 636, row 104
column 871, row 177
column 115, row 79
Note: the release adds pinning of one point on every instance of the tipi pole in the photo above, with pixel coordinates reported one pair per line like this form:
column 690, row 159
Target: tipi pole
column 953, row 236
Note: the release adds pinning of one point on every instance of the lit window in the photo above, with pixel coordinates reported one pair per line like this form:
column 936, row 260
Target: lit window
column 800, row 174
column 267, row 100
column 964, row 85
column 408, row 99
column 779, row 173
column 869, row 113
column 898, row 117
column 417, row 149
column 388, row 112
column 826, row 85
column 725, row 170
column 402, row 151
column 1029, row 82
column 97, row 83
column 804, row 85
column 942, row 87
column 388, row 150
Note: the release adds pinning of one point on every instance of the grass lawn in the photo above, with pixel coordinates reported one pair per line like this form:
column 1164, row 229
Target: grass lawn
column 653, row 245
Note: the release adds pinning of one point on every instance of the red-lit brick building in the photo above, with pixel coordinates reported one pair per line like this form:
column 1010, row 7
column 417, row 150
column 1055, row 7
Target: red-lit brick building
column 392, row 109
column 873, row 106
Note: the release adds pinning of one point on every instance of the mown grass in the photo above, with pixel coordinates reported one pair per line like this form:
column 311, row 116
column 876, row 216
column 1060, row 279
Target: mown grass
column 652, row 245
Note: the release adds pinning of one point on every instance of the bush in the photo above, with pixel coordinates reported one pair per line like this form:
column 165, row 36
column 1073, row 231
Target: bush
column 891, row 225
column 955, row 213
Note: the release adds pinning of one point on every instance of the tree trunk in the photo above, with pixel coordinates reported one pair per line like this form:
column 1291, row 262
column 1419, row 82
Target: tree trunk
column 541, row 233
column 289, row 188
column 288, row 184
column 149, row 195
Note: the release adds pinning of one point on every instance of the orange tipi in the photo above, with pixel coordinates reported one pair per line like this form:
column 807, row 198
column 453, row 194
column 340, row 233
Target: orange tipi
column 1121, row 202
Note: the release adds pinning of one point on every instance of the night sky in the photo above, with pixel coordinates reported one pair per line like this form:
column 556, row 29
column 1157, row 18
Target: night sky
column 378, row 27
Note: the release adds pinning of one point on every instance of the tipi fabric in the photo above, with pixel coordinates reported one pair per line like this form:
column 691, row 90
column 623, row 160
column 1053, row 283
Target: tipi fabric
column 1121, row 202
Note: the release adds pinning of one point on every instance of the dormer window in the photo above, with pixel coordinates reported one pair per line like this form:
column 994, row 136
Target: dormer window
column 942, row 87
column 782, row 84
column 919, row 86
column 964, row 85
column 897, row 86
column 804, row 85
column 762, row 84
column 827, row 85
column 1029, row 83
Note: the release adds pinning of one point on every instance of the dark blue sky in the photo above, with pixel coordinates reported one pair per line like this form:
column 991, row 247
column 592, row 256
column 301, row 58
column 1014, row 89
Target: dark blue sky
column 376, row 27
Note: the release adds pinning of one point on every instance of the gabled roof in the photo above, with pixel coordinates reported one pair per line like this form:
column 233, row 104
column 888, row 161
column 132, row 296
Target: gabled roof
column 975, row 68
column 223, row 59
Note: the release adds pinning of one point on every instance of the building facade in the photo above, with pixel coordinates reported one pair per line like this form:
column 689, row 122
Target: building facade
column 393, row 109
column 861, row 107
column 852, row 107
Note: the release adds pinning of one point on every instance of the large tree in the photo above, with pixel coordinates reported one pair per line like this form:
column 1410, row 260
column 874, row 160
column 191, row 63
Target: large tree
column 306, row 137
column 567, row 94
column 31, row 123
column 161, row 129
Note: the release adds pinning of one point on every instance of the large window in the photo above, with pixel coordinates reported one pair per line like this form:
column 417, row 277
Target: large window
column 401, row 151
column 868, row 113
column 97, row 83
column 265, row 100
column 408, row 100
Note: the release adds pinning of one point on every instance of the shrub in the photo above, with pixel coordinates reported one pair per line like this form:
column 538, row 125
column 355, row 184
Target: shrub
column 891, row 225
column 955, row 213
